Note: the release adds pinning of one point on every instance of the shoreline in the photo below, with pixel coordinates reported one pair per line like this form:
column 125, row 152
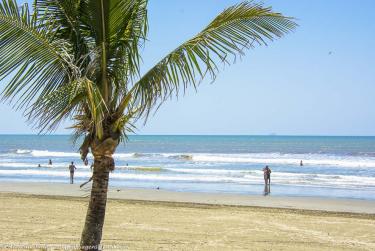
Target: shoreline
column 334, row 205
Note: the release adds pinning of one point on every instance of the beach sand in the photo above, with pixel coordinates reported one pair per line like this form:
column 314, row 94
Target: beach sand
column 27, row 218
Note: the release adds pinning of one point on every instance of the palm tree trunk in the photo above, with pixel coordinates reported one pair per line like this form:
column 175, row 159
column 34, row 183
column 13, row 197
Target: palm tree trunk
column 92, row 231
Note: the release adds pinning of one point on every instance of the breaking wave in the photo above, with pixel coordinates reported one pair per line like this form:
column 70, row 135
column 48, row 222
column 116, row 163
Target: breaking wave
column 250, row 158
column 215, row 176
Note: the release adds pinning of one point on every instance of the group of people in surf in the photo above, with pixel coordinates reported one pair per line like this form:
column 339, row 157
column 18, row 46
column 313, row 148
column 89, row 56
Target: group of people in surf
column 267, row 178
column 266, row 173
column 71, row 168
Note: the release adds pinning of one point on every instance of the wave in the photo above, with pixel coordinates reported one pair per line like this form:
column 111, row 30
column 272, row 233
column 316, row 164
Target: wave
column 213, row 171
column 140, row 168
column 276, row 159
column 38, row 153
column 180, row 156
column 42, row 165
column 49, row 173
column 323, row 180
column 285, row 177
column 278, row 178
column 138, row 155
column 21, row 151
column 126, row 176
column 47, row 153
column 288, row 159
column 249, row 158
column 18, row 164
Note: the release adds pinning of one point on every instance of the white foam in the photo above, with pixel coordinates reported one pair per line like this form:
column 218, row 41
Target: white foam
column 256, row 177
column 46, row 153
column 250, row 158
column 269, row 158
column 323, row 180
column 124, row 155
column 39, row 153
column 288, row 159
column 18, row 164
column 22, row 151
column 204, row 158
column 35, row 165
column 48, row 173
column 212, row 171
column 123, row 176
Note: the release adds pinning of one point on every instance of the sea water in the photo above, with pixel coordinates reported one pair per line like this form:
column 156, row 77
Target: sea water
column 341, row 167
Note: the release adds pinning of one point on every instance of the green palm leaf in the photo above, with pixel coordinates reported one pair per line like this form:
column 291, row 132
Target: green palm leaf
column 49, row 110
column 36, row 63
column 237, row 28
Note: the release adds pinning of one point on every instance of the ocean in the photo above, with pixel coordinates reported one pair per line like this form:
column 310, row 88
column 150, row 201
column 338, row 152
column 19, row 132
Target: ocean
column 339, row 167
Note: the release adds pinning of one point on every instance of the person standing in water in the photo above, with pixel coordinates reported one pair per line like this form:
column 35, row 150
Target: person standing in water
column 72, row 167
column 301, row 163
column 50, row 162
column 267, row 180
column 267, row 175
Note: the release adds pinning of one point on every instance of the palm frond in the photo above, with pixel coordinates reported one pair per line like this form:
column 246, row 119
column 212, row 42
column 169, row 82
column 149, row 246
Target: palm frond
column 97, row 106
column 119, row 28
column 126, row 38
column 237, row 28
column 36, row 63
column 64, row 19
column 81, row 99
column 50, row 110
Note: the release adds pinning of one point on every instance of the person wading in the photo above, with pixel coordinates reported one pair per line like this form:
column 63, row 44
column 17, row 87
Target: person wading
column 72, row 167
column 267, row 175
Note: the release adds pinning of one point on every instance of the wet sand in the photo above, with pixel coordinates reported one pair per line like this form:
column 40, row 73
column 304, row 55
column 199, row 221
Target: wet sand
column 308, row 203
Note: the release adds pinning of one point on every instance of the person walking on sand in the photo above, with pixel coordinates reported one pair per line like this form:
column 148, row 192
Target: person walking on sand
column 72, row 167
column 267, row 175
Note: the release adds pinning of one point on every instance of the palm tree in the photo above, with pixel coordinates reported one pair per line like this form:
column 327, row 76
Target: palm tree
column 80, row 60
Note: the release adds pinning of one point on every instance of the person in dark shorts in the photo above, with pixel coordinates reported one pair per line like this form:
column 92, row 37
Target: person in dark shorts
column 267, row 175
column 72, row 167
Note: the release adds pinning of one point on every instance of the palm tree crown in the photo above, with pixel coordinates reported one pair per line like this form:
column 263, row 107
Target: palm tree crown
column 80, row 59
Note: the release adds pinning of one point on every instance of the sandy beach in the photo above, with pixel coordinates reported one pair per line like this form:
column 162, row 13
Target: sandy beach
column 161, row 220
column 273, row 147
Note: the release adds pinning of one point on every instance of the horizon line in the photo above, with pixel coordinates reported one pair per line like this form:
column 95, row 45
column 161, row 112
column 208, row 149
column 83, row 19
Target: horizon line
column 270, row 135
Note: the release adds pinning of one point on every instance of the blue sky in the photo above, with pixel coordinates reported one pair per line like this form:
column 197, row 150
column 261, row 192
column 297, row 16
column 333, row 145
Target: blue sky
column 294, row 86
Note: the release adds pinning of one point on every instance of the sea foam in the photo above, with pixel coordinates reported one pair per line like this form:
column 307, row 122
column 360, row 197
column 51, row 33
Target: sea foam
column 251, row 158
